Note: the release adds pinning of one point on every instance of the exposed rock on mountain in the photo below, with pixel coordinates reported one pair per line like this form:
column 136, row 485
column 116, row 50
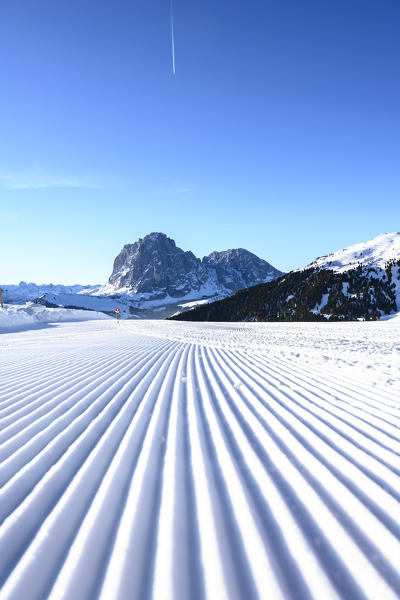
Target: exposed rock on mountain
column 238, row 269
column 155, row 268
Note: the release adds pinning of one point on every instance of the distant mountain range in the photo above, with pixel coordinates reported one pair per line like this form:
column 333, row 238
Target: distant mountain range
column 358, row 282
column 24, row 292
column 154, row 278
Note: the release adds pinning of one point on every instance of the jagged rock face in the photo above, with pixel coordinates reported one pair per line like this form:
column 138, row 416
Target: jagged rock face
column 154, row 265
column 239, row 268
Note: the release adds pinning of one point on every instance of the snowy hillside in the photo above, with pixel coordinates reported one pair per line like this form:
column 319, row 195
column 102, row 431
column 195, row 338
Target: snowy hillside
column 23, row 292
column 175, row 461
column 374, row 253
column 129, row 306
column 86, row 302
column 14, row 316
column 360, row 282
column 310, row 295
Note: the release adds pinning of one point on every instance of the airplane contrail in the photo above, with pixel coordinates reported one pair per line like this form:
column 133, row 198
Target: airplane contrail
column 172, row 38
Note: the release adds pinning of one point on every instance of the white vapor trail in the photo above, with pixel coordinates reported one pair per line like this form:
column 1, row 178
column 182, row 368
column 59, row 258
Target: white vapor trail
column 172, row 38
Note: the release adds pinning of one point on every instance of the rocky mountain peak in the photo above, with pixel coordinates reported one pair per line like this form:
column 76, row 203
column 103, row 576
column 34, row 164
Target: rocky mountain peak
column 238, row 268
column 154, row 268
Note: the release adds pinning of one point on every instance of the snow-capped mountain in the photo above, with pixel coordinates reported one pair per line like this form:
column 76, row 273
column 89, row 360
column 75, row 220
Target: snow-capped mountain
column 154, row 268
column 25, row 292
column 358, row 282
column 374, row 253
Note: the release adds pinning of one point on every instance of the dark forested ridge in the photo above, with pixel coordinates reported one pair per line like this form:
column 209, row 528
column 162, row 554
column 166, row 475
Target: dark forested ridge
column 313, row 294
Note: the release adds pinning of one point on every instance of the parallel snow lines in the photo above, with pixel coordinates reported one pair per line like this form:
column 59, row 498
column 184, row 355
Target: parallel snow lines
column 165, row 469
column 375, row 540
column 53, row 390
column 353, row 431
column 33, row 492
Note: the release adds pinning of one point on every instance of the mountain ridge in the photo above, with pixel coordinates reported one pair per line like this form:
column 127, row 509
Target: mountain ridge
column 155, row 267
column 154, row 278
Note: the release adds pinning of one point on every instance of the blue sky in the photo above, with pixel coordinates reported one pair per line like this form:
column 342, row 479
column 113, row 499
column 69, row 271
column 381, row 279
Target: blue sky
column 279, row 132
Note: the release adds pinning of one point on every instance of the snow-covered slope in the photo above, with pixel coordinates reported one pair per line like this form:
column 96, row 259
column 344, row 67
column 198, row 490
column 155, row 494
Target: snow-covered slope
column 86, row 302
column 128, row 304
column 14, row 316
column 358, row 282
column 172, row 461
column 374, row 253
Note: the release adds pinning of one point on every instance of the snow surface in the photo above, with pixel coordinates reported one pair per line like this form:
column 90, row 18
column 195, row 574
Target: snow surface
column 374, row 253
column 89, row 302
column 14, row 316
column 103, row 299
column 172, row 460
column 208, row 292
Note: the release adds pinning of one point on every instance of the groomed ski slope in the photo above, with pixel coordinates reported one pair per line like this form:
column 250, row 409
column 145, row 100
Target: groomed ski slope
column 184, row 461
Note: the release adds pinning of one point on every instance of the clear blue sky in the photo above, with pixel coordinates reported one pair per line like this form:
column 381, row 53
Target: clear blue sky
column 279, row 132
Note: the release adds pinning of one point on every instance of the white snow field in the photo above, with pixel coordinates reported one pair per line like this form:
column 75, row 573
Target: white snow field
column 175, row 460
column 24, row 316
